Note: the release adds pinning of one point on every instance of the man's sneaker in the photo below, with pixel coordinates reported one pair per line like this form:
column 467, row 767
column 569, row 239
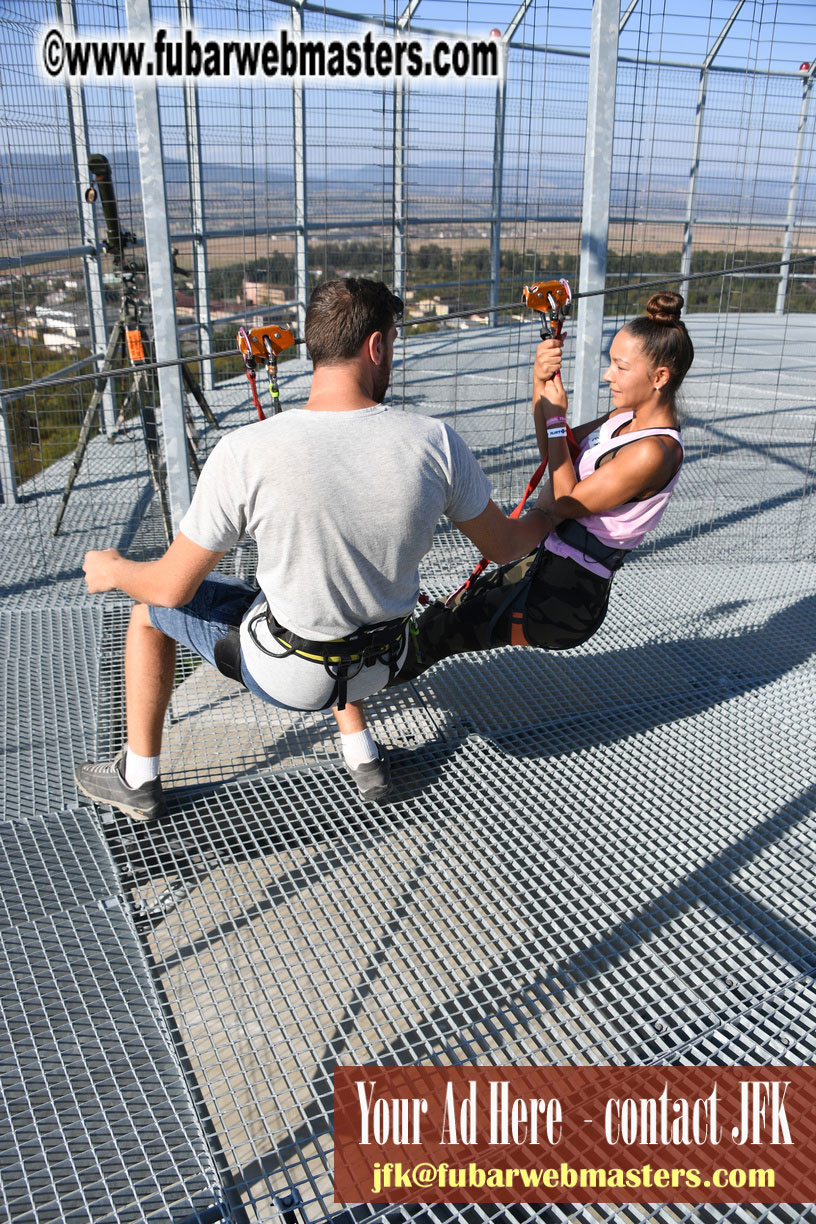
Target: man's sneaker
column 105, row 783
column 373, row 778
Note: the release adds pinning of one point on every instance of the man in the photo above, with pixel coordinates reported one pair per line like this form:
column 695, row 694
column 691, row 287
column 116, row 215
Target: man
column 342, row 498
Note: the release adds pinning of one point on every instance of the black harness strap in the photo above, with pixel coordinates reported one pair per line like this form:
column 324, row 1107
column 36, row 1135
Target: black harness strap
column 227, row 654
column 610, row 454
column 342, row 658
column 574, row 533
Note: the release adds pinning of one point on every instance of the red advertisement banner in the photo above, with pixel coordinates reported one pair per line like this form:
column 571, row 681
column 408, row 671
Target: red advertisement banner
column 575, row 1134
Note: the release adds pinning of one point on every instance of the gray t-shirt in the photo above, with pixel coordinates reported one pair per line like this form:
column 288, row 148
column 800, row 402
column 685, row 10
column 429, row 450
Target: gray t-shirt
column 342, row 506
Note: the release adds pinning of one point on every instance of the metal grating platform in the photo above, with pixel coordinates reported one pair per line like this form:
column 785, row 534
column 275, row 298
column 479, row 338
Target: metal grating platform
column 467, row 922
column 47, row 704
column 599, row 855
column 53, row 864
column 95, row 1121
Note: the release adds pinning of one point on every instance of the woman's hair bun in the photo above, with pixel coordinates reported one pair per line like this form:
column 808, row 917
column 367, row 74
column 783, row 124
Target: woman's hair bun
column 665, row 308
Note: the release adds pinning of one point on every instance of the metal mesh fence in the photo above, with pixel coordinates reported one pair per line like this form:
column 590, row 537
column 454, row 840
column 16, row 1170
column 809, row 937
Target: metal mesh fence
column 455, row 194
column 286, row 927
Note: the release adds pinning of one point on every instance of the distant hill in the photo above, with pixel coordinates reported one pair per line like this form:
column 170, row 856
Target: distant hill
column 49, row 180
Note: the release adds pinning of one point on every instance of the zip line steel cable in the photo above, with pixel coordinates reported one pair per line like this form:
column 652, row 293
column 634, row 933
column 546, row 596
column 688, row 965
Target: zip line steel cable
column 48, row 383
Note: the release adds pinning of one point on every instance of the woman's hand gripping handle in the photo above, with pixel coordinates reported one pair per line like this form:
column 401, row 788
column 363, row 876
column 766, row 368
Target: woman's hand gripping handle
column 549, row 396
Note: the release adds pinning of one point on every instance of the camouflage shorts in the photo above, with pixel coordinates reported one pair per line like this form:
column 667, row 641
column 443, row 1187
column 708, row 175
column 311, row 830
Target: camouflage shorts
column 558, row 603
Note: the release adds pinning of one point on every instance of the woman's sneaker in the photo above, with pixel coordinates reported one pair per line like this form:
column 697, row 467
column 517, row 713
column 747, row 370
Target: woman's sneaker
column 104, row 782
column 373, row 778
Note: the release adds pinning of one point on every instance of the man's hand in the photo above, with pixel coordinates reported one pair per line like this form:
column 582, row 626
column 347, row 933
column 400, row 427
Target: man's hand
column 504, row 539
column 169, row 582
column 99, row 570
column 549, row 395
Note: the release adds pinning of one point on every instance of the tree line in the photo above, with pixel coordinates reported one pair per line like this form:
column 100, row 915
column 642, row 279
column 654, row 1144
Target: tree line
column 442, row 264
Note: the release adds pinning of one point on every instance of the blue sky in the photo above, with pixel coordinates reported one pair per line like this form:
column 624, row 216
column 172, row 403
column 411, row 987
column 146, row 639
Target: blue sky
column 751, row 121
column 767, row 33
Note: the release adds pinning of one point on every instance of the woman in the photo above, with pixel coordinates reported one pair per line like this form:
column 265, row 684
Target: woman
column 604, row 502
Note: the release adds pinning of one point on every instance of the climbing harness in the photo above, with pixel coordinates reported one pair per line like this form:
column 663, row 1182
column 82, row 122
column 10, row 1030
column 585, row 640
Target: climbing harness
column 264, row 344
column 552, row 300
column 343, row 658
column 574, row 533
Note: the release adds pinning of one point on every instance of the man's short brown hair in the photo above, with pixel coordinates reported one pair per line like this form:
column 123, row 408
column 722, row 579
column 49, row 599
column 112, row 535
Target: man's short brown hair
column 342, row 313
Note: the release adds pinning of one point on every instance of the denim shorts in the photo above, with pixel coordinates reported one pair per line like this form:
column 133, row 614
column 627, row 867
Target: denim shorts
column 220, row 601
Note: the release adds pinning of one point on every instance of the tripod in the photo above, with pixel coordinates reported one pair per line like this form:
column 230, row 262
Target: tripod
column 126, row 339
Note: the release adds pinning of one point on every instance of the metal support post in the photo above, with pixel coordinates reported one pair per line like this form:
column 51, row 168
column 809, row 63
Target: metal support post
column 498, row 165
column 691, row 196
column 624, row 21
column 793, row 198
column 301, row 233
column 8, row 481
column 160, row 273
column 201, row 284
column 603, row 67
column 496, row 202
column 398, row 217
column 91, row 266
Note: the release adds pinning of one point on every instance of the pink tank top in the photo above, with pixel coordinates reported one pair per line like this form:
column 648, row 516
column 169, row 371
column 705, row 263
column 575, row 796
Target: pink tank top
column 625, row 526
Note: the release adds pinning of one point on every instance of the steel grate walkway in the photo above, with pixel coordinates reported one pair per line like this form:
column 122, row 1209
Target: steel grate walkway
column 605, row 855
column 96, row 1123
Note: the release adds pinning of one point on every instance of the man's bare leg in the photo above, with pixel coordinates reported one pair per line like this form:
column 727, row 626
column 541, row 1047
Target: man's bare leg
column 366, row 761
column 351, row 719
column 150, row 665
column 131, row 782
column 359, row 745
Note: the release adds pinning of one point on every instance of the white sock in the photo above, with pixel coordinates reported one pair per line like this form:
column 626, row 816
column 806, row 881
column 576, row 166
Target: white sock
column 358, row 747
column 139, row 769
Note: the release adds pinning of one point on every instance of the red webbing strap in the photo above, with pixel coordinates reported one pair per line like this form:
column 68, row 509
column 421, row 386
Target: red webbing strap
column 532, row 485
column 251, row 376
column 249, row 366
column 255, row 395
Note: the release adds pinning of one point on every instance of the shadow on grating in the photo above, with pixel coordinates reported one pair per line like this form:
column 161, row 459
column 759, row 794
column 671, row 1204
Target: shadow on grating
column 622, row 871
column 230, row 824
column 467, row 923
column 664, row 642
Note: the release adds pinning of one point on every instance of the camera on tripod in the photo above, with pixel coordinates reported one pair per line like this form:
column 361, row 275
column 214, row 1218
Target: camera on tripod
column 116, row 239
column 102, row 188
column 131, row 340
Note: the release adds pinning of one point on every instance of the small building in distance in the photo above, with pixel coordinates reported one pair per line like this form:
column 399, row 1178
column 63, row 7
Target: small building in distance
column 260, row 293
column 65, row 328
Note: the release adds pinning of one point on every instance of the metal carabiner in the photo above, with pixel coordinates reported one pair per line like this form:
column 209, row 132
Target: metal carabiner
column 552, row 299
